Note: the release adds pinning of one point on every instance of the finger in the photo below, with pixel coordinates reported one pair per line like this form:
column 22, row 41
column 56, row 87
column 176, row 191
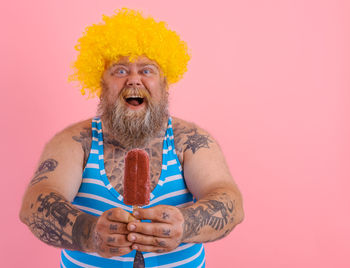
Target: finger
column 160, row 213
column 117, row 228
column 117, row 241
column 151, row 228
column 119, row 215
column 147, row 248
column 117, row 251
column 149, row 240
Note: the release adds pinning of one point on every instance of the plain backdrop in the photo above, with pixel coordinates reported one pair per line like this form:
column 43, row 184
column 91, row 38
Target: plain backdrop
column 268, row 79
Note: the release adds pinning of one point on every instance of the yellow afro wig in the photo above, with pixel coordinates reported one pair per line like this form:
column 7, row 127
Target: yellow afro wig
column 127, row 33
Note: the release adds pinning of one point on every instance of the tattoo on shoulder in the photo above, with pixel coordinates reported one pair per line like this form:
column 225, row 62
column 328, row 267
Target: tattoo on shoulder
column 85, row 140
column 196, row 141
column 48, row 165
column 189, row 138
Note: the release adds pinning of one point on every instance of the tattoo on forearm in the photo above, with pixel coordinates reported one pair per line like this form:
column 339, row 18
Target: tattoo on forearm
column 55, row 206
column 59, row 224
column 214, row 213
column 82, row 231
column 48, row 165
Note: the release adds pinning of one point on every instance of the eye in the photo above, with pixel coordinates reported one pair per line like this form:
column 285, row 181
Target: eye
column 146, row 71
column 121, row 71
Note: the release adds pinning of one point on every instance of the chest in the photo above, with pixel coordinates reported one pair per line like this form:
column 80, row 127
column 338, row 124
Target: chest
column 114, row 159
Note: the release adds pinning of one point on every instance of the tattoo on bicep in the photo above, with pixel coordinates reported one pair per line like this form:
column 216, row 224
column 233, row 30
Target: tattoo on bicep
column 197, row 141
column 48, row 165
column 35, row 180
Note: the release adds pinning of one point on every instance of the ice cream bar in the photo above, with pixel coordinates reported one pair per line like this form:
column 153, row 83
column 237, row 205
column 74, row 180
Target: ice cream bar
column 137, row 178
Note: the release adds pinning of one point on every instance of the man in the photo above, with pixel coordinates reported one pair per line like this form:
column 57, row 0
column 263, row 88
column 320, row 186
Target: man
column 75, row 199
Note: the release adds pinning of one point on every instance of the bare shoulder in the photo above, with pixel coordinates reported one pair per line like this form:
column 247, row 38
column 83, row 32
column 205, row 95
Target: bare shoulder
column 76, row 135
column 61, row 162
column 189, row 137
column 204, row 164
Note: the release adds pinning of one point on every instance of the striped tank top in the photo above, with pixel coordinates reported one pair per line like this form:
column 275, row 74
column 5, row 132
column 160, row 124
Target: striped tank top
column 97, row 195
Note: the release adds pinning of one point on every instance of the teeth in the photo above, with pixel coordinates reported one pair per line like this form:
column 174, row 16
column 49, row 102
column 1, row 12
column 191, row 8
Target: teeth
column 133, row 97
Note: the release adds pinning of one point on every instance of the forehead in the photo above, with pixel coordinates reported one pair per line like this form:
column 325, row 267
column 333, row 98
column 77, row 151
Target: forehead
column 139, row 61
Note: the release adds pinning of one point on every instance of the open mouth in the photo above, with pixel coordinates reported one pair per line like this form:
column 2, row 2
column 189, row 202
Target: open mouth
column 134, row 101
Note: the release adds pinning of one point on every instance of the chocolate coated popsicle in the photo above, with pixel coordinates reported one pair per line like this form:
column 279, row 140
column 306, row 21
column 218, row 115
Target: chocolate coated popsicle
column 137, row 178
column 137, row 187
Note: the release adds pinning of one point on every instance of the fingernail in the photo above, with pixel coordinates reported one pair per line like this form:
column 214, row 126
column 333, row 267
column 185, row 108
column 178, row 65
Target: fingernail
column 132, row 227
column 132, row 237
column 136, row 213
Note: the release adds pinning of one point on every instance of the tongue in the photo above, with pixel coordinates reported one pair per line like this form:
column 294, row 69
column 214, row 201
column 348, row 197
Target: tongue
column 133, row 102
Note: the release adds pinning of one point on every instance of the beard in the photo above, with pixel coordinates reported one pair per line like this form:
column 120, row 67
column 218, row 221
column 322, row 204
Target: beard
column 134, row 128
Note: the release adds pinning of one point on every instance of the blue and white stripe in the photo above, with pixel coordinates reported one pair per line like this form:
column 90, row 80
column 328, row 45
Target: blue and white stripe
column 97, row 195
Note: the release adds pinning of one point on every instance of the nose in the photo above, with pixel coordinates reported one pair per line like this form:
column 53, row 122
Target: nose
column 134, row 80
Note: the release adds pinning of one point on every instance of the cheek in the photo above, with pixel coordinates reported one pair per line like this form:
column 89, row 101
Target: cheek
column 155, row 89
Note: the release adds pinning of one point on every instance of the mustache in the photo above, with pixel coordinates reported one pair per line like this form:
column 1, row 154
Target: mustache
column 140, row 92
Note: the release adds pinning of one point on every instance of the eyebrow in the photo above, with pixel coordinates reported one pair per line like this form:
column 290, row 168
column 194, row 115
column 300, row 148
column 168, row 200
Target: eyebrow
column 125, row 64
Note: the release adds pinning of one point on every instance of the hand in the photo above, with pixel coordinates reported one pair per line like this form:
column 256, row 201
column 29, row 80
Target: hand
column 110, row 232
column 163, row 234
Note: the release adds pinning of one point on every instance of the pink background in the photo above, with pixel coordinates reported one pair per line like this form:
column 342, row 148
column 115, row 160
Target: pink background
column 269, row 79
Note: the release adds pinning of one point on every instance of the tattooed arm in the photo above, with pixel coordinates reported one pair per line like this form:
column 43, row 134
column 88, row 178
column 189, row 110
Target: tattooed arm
column 217, row 211
column 47, row 208
column 219, row 208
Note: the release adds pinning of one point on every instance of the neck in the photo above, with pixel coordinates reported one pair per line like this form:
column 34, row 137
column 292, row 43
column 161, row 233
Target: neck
column 111, row 137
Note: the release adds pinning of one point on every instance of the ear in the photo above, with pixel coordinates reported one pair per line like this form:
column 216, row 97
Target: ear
column 165, row 83
column 103, row 88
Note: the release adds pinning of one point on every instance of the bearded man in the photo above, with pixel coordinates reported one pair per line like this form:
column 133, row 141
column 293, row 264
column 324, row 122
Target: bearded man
column 75, row 198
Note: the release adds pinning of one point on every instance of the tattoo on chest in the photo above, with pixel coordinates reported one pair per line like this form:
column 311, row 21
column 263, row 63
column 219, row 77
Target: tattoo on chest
column 114, row 155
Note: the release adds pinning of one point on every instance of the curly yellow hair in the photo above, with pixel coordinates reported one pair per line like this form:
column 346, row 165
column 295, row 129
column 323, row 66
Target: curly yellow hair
column 127, row 33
